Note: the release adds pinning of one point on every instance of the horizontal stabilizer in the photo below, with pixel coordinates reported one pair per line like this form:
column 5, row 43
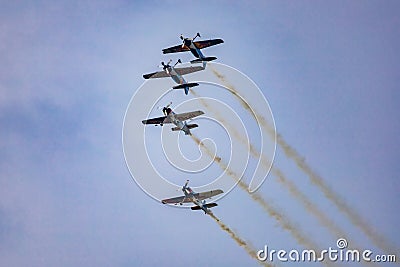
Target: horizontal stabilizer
column 199, row 60
column 183, row 86
column 191, row 126
column 209, row 205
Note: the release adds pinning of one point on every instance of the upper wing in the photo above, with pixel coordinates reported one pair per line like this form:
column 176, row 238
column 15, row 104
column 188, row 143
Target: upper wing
column 188, row 115
column 159, row 120
column 208, row 194
column 157, row 74
column 176, row 200
column 207, row 43
column 175, row 49
column 187, row 70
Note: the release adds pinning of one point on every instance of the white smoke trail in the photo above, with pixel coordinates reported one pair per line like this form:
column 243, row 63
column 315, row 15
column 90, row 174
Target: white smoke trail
column 278, row 173
column 247, row 247
column 317, row 180
column 279, row 216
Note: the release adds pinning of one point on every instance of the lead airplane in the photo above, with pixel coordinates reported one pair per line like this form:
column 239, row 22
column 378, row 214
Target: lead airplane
column 176, row 74
column 177, row 119
column 195, row 47
column 199, row 199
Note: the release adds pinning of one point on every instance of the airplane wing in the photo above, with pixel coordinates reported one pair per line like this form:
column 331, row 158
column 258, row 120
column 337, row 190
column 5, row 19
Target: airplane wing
column 175, row 49
column 157, row 74
column 176, row 200
column 188, row 115
column 207, row 43
column 157, row 120
column 187, row 70
column 209, row 194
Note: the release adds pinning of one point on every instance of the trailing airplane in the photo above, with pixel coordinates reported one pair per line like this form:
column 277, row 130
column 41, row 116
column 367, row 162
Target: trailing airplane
column 199, row 199
column 176, row 74
column 177, row 119
column 195, row 47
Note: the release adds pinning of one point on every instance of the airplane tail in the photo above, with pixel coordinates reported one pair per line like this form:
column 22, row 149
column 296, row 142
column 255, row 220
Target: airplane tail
column 191, row 126
column 185, row 86
column 209, row 205
column 199, row 60
column 186, row 130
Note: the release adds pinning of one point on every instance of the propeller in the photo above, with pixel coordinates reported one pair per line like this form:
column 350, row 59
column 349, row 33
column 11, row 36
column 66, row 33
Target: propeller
column 186, row 184
column 183, row 40
column 183, row 188
column 165, row 66
column 166, row 108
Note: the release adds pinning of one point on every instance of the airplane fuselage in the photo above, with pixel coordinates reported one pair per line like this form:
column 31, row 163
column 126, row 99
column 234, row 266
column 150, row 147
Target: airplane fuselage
column 190, row 195
column 175, row 76
column 193, row 49
column 178, row 123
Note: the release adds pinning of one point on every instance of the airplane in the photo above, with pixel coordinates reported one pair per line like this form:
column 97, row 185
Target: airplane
column 177, row 119
column 176, row 74
column 190, row 45
column 199, row 199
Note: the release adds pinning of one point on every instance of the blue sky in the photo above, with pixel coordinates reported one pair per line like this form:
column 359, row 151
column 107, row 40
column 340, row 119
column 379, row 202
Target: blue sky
column 68, row 70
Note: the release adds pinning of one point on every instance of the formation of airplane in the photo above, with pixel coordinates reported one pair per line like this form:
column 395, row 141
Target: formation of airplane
column 178, row 119
column 199, row 199
column 195, row 47
column 176, row 74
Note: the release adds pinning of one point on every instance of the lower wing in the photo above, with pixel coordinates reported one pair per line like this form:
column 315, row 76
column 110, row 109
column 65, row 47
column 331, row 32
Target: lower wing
column 157, row 74
column 207, row 43
column 208, row 194
column 187, row 70
column 176, row 200
column 159, row 120
column 175, row 49
column 188, row 115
